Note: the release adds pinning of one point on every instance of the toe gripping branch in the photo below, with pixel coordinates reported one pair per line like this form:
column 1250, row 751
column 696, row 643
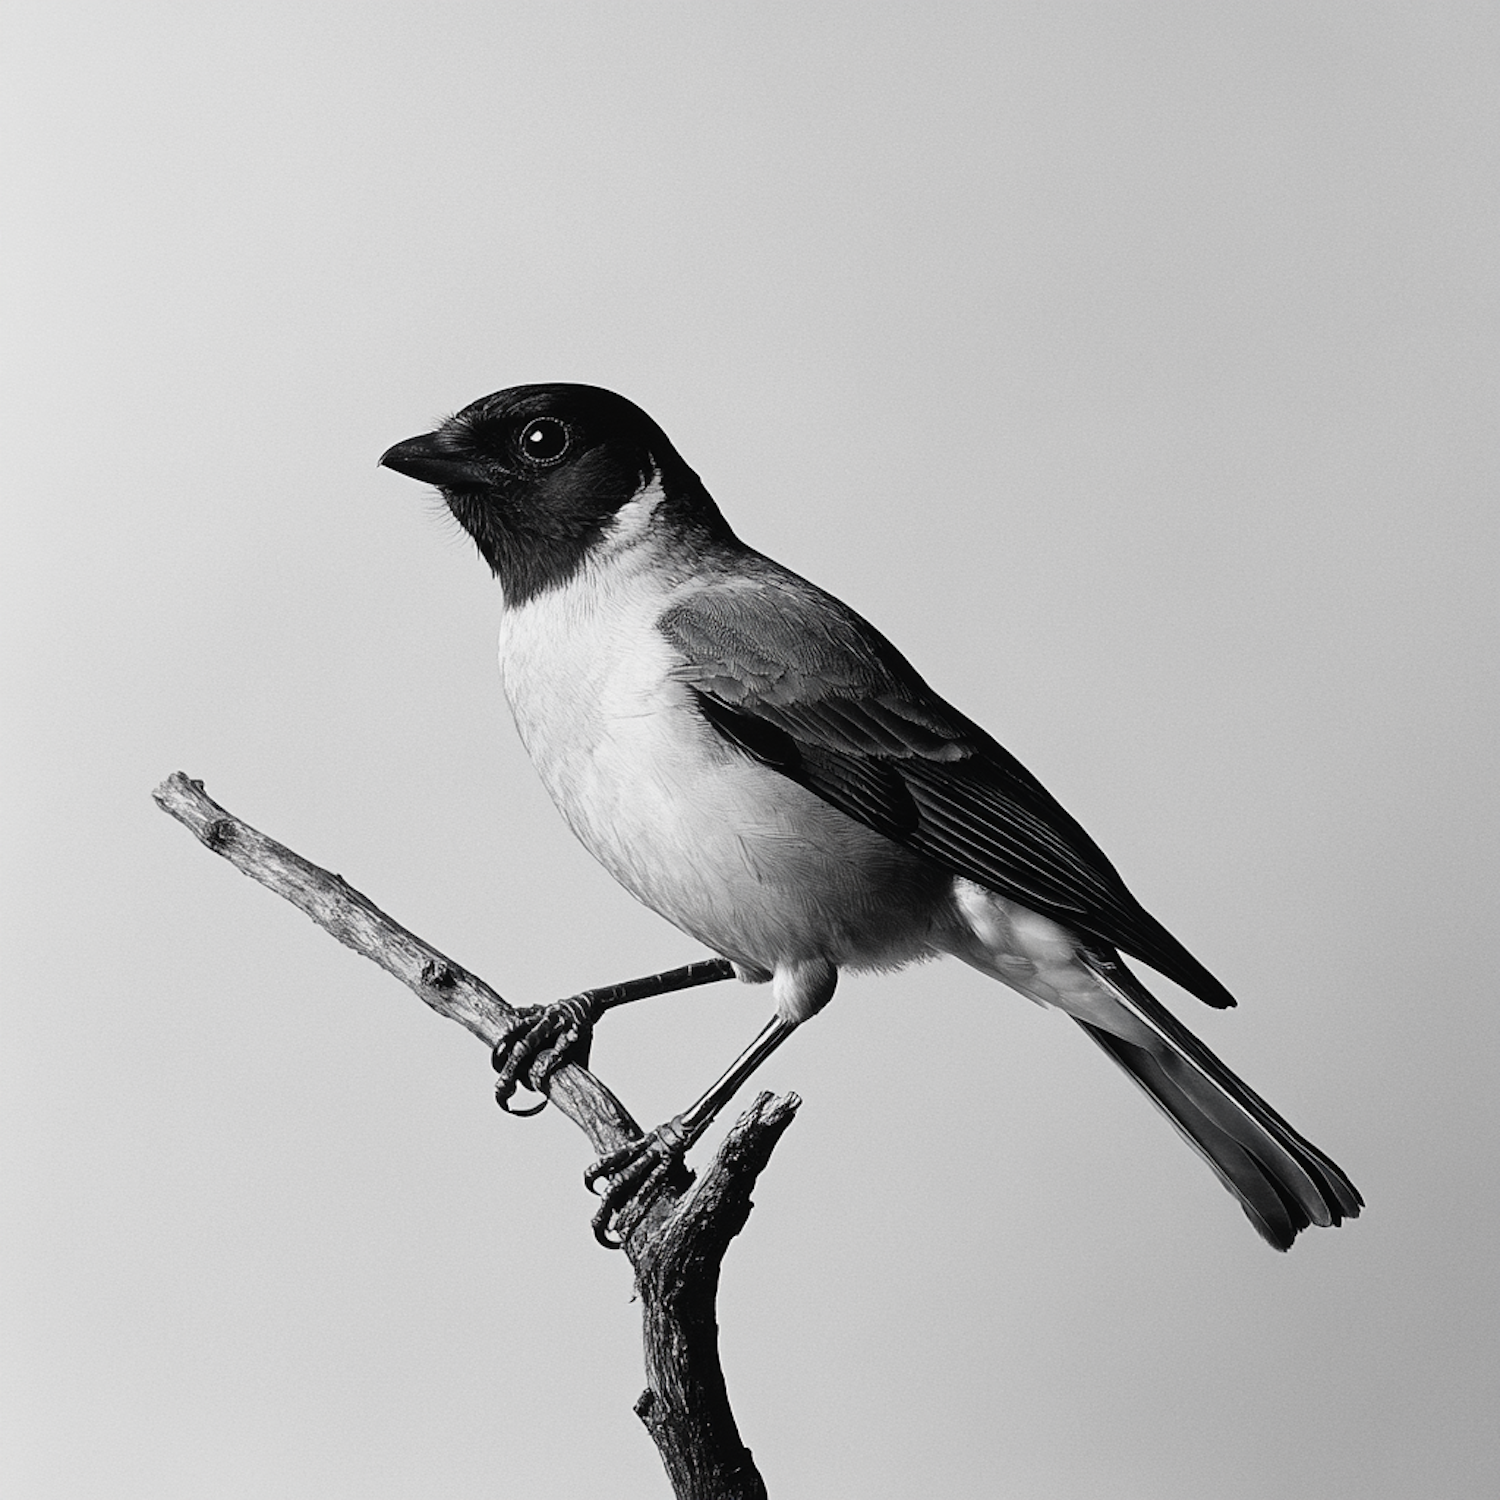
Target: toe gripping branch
column 536, row 1041
column 634, row 1176
column 540, row 1037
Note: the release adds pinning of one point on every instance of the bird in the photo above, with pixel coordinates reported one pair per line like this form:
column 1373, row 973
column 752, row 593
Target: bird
column 753, row 760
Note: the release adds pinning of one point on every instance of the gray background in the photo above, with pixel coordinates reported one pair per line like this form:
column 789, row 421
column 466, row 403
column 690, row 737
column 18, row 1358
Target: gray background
column 1133, row 366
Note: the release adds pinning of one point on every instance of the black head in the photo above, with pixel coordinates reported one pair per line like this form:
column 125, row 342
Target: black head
column 535, row 475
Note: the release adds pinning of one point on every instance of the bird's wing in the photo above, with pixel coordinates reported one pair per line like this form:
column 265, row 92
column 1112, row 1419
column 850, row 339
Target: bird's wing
column 798, row 681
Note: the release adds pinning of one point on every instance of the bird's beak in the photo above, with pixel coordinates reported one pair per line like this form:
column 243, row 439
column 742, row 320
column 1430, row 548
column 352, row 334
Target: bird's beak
column 422, row 458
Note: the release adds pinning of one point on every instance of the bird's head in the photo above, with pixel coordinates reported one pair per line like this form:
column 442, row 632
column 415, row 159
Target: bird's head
column 541, row 476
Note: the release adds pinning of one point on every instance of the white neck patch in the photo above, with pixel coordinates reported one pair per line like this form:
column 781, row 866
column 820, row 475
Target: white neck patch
column 630, row 524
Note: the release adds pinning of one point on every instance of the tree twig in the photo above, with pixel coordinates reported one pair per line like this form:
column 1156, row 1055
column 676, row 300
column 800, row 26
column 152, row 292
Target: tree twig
column 677, row 1273
column 680, row 1243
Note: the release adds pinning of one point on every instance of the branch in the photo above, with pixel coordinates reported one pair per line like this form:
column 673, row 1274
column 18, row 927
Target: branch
column 359, row 924
column 677, row 1248
column 677, row 1274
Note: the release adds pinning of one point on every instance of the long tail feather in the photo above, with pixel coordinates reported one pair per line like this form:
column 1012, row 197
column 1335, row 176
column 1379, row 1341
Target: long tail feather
column 1283, row 1182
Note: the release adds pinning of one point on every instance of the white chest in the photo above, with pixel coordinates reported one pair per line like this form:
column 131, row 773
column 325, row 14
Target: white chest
column 747, row 861
column 630, row 766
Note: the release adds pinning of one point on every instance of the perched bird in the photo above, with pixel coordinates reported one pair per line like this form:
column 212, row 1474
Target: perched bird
column 750, row 758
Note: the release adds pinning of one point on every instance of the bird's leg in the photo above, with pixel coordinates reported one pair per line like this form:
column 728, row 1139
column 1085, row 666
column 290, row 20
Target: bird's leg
column 633, row 1176
column 541, row 1036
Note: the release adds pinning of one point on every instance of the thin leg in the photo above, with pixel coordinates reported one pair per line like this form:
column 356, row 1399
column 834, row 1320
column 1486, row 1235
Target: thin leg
column 697, row 1117
column 633, row 1175
column 705, row 971
column 541, row 1036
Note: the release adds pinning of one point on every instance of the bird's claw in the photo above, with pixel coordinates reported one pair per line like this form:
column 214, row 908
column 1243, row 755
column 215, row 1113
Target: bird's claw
column 632, row 1179
column 539, row 1038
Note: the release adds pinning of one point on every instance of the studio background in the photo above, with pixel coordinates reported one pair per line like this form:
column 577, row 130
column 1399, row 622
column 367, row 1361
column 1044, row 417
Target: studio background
column 1132, row 366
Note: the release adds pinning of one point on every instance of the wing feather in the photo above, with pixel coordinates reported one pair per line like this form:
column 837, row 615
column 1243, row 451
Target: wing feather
column 798, row 681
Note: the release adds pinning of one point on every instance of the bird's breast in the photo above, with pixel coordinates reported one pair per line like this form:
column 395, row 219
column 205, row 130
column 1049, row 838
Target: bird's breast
column 730, row 851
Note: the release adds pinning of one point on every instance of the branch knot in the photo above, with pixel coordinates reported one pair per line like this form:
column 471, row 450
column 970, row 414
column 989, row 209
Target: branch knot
column 218, row 834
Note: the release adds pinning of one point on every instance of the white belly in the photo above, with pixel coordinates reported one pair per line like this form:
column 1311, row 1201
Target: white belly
column 749, row 863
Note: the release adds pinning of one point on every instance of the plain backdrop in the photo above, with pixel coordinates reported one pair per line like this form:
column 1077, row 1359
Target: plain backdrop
column 1133, row 366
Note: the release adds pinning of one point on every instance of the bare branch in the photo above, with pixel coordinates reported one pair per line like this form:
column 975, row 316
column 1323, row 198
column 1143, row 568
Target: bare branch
column 359, row 924
column 677, row 1272
column 677, row 1247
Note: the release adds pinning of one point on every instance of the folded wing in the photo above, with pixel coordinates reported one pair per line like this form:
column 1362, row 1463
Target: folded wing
column 798, row 681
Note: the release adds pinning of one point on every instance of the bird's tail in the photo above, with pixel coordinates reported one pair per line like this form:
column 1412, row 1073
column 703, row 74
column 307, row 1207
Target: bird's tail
column 1283, row 1182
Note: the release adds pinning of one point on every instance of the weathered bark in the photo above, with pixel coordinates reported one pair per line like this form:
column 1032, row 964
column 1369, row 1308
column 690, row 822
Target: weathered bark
column 677, row 1273
column 679, row 1245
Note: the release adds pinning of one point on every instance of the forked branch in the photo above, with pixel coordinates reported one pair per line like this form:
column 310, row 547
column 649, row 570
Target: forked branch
column 677, row 1248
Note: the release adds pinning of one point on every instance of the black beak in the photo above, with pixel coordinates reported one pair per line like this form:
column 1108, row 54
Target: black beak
column 422, row 458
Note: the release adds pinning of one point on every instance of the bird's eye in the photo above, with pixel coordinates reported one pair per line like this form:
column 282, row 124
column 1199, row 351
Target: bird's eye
column 544, row 441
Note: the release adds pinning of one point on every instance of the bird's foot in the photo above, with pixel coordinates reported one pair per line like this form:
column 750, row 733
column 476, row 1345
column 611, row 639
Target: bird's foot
column 536, row 1041
column 630, row 1180
column 540, row 1037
